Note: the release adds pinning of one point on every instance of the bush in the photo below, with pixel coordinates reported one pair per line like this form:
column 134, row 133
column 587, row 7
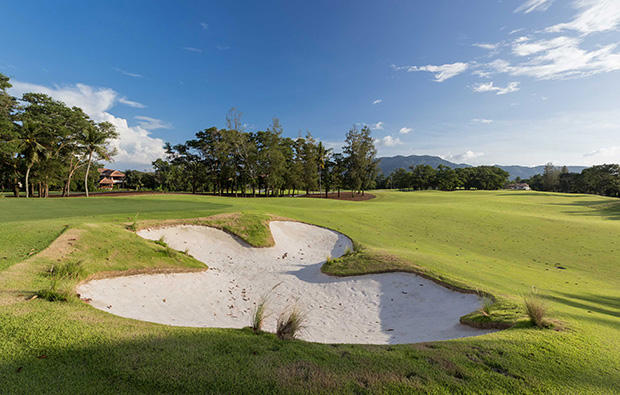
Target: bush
column 536, row 309
column 290, row 323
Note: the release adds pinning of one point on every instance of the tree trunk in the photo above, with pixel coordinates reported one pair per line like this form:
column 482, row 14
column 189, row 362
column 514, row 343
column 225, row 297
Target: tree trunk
column 27, row 176
column 90, row 156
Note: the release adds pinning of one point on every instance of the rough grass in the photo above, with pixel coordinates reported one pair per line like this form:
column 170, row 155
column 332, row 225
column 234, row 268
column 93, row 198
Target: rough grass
column 290, row 323
column 536, row 309
column 502, row 243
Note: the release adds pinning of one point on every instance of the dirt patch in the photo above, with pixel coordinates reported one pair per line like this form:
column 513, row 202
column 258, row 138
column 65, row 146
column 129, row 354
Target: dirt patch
column 63, row 246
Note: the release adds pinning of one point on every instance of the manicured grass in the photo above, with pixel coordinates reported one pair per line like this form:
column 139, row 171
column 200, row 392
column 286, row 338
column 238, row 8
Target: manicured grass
column 501, row 243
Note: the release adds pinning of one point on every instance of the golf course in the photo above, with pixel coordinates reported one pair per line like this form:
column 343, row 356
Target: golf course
column 499, row 246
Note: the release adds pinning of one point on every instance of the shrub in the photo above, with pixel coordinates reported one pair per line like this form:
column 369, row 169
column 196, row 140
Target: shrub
column 536, row 309
column 290, row 323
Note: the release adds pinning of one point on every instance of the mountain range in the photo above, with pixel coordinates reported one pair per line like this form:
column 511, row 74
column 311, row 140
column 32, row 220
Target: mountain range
column 389, row 164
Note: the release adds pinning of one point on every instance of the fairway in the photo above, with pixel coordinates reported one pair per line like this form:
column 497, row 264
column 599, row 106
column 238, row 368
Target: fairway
column 563, row 246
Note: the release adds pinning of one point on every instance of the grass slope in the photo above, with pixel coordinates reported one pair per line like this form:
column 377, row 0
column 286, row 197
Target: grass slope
column 566, row 246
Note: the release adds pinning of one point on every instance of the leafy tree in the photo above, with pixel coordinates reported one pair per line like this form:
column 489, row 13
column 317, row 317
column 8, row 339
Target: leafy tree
column 96, row 141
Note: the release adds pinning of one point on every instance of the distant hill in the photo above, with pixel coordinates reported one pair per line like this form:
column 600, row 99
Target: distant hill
column 389, row 164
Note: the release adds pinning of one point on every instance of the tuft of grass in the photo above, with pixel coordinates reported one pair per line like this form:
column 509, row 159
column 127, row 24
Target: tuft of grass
column 72, row 269
column 259, row 315
column 290, row 323
column 161, row 242
column 169, row 252
column 486, row 305
column 536, row 309
column 54, row 293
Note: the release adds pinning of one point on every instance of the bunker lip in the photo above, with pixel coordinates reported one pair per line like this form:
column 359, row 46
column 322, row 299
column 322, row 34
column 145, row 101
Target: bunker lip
column 388, row 308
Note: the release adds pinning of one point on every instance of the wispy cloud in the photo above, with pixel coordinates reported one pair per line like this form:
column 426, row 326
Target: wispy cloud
column 127, row 73
column 405, row 130
column 192, row 49
column 377, row 126
column 534, row 5
column 377, row 101
column 204, row 25
column 130, row 103
column 490, row 47
column 482, row 120
column 149, row 123
column 593, row 16
column 441, row 73
column 222, row 47
column 489, row 87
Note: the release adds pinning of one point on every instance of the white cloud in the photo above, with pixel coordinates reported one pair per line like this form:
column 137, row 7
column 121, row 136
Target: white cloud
column 490, row 47
column 441, row 73
column 136, row 147
column 594, row 16
column 222, row 47
column 204, row 25
column 127, row 73
column 405, row 130
column 377, row 126
column 534, row 5
column 130, row 103
column 377, row 101
column 192, row 49
column 608, row 152
column 388, row 141
column 561, row 58
column 489, row 87
column 149, row 123
column 482, row 120
column 468, row 155
column 516, row 31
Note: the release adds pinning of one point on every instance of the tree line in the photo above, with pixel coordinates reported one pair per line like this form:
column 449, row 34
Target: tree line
column 235, row 162
column 601, row 180
column 444, row 178
column 45, row 143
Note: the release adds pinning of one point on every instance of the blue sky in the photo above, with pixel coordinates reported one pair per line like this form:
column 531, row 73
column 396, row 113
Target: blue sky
column 481, row 82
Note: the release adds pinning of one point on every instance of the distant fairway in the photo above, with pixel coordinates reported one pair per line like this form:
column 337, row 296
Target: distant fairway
column 504, row 243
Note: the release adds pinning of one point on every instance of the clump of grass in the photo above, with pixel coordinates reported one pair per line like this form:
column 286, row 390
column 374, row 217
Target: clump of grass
column 53, row 293
column 486, row 305
column 290, row 323
column 536, row 309
column 134, row 226
column 161, row 242
column 169, row 252
column 329, row 259
column 72, row 269
column 259, row 315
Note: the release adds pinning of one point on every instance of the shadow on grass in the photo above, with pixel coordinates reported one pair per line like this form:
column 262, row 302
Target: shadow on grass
column 238, row 361
column 607, row 305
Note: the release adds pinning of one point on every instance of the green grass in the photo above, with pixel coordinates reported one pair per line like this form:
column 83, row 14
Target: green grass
column 500, row 243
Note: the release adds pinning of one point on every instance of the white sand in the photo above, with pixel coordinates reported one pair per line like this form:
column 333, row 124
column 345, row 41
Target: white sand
column 386, row 308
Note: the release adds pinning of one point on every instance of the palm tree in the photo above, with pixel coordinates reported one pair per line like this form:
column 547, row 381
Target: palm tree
column 30, row 145
column 96, row 141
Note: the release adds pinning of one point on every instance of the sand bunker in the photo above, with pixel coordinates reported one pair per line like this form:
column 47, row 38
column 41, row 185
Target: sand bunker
column 386, row 308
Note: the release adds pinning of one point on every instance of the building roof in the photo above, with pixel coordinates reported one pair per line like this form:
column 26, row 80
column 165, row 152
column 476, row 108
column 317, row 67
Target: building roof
column 106, row 181
column 110, row 173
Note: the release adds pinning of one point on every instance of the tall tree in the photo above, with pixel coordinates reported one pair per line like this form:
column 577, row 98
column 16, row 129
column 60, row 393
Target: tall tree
column 96, row 140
